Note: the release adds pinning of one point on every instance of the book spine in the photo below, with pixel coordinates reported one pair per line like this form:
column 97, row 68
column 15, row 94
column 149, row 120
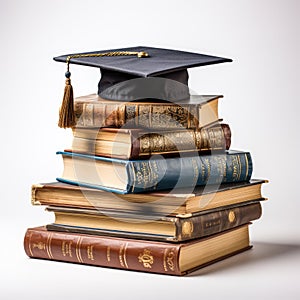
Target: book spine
column 160, row 174
column 214, row 222
column 102, row 251
column 207, row 139
column 137, row 115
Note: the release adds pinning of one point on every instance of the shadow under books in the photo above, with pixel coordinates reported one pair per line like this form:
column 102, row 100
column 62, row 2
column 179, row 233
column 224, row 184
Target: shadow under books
column 260, row 252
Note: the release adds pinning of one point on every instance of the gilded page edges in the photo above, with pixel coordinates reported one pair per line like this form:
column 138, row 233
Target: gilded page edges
column 34, row 188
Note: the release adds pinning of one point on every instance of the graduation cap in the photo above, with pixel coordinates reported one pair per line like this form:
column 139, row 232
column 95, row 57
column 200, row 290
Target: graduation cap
column 119, row 67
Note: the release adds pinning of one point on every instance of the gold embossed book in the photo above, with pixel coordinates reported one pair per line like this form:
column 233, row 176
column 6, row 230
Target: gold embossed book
column 133, row 254
column 195, row 112
column 159, row 173
column 142, row 143
column 153, row 227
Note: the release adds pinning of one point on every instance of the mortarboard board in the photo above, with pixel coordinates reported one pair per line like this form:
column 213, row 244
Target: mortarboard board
column 119, row 67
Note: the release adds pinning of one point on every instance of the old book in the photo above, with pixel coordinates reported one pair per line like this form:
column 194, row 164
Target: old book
column 179, row 201
column 198, row 111
column 133, row 254
column 172, row 229
column 141, row 143
column 136, row 176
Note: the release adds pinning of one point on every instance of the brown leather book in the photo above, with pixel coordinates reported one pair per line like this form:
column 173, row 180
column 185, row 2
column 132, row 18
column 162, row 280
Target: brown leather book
column 140, row 143
column 198, row 111
column 131, row 254
column 172, row 229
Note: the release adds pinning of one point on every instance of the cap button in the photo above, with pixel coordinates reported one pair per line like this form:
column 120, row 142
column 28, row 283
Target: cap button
column 142, row 54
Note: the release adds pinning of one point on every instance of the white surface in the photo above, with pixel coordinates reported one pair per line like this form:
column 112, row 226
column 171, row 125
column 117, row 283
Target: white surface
column 261, row 91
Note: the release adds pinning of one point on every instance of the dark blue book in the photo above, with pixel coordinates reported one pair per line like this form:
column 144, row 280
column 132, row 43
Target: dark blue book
column 154, row 174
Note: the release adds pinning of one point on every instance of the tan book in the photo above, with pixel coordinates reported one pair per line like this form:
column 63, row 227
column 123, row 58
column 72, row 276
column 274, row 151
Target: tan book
column 176, row 202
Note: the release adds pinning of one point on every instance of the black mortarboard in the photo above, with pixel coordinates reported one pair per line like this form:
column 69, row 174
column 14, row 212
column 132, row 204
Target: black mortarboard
column 119, row 66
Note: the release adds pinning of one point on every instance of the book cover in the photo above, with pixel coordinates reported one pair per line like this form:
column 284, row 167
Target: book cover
column 180, row 201
column 132, row 254
column 136, row 176
column 198, row 111
column 142, row 143
column 172, row 229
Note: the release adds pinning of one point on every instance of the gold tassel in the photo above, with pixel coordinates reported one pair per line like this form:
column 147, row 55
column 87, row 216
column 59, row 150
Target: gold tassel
column 66, row 112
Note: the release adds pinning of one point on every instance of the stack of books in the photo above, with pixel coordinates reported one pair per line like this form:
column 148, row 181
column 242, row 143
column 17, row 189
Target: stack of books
column 148, row 186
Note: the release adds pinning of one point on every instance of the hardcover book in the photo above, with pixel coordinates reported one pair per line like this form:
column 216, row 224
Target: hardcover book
column 180, row 201
column 133, row 254
column 141, row 143
column 196, row 112
column 136, row 176
column 172, row 229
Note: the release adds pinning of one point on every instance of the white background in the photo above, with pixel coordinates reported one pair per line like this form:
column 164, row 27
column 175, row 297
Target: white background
column 261, row 104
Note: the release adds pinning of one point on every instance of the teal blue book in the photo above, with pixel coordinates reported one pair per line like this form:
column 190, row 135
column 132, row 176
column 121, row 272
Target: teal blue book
column 155, row 174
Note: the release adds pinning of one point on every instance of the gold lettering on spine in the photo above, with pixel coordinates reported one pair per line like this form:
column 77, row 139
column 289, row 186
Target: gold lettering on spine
column 29, row 244
column 196, row 171
column 145, row 147
column 235, row 168
column 108, row 253
column 121, row 112
column 247, row 165
column 39, row 245
column 89, row 114
column 124, row 255
column 48, row 246
column 169, row 260
column 165, row 260
column 221, row 167
column 231, row 216
column 212, row 223
column 204, row 142
column 223, row 160
column 146, row 175
column 117, row 115
column 240, row 167
column 207, row 164
column 146, row 258
column 216, row 137
column 134, row 176
column 89, row 251
column 187, row 140
column 153, row 174
column 197, row 137
column 187, row 228
column 121, row 255
column 202, row 170
column 66, row 248
column 77, row 250
column 189, row 113
column 63, row 251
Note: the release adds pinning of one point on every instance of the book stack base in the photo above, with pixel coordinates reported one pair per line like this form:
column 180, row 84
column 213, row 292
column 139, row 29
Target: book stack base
column 183, row 209
column 131, row 254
